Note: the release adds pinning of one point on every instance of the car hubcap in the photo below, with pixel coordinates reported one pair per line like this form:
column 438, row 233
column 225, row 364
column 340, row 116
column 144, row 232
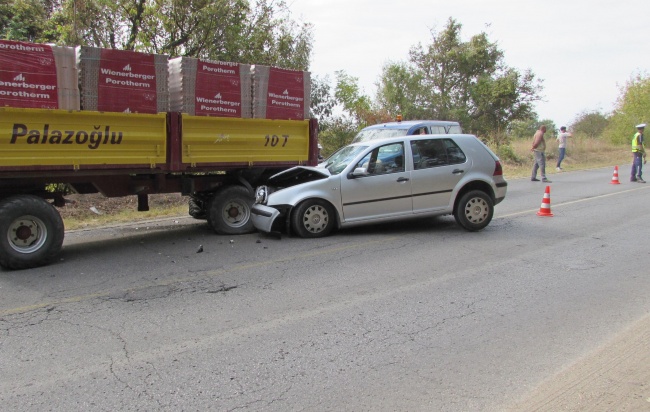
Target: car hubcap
column 476, row 210
column 315, row 219
column 27, row 234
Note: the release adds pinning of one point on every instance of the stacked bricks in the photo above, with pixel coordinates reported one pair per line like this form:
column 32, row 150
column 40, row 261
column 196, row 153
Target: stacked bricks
column 123, row 80
column 210, row 88
column 97, row 79
column 38, row 76
column 280, row 93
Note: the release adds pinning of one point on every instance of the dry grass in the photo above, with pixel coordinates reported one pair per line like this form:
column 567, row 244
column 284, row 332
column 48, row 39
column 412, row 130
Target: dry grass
column 581, row 153
column 95, row 210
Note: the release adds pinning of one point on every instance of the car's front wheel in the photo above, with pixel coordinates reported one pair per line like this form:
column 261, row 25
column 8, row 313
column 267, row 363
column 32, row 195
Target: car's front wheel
column 313, row 218
column 474, row 210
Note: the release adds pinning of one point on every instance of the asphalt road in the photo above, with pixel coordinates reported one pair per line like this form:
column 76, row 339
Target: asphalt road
column 416, row 316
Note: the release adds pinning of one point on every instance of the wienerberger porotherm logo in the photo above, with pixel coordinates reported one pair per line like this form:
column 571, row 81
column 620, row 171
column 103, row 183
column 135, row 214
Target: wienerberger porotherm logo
column 27, row 75
column 100, row 135
column 286, row 95
column 127, row 80
column 218, row 89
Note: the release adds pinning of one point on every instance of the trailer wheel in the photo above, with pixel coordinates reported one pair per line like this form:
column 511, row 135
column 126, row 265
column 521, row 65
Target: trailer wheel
column 31, row 232
column 230, row 211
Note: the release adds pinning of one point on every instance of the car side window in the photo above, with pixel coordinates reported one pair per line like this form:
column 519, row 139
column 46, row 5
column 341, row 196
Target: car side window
column 428, row 153
column 454, row 154
column 384, row 159
column 436, row 152
column 438, row 130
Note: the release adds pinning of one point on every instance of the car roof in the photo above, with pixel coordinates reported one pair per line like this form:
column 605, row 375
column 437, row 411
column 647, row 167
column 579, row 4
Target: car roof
column 407, row 124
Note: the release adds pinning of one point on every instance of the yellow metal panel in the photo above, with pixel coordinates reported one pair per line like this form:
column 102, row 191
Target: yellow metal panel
column 35, row 137
column 229, row 140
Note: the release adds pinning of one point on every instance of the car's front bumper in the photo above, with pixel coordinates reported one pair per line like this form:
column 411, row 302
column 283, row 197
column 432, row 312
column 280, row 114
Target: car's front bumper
column 264, row 217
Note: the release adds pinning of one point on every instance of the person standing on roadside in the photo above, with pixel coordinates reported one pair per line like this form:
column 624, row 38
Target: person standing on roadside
column 539, row 146
column 638, row 153
column 561, row 138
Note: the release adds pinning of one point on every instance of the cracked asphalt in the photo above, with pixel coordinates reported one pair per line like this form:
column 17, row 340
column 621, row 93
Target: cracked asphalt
column 530, row 314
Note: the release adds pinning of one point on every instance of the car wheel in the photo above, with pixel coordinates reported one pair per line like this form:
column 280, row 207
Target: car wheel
column 474, row 210
column 313, row 218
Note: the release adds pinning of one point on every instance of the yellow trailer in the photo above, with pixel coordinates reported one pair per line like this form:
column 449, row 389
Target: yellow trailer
column 215, row 161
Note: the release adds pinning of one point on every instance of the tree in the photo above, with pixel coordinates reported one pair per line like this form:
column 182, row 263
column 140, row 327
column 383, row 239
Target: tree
column 465, row 81
column 258, row 32
column 632, row 108
column 399, row 91
column 24, row 20
column 322, row 102
column 523, row 129
column 590, row 124
column 358, row 106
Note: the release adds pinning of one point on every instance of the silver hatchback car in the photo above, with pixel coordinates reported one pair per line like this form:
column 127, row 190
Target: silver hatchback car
column 385, row 180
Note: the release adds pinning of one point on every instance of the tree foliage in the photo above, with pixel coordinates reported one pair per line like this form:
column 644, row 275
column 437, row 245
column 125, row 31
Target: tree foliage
column 258, row 32
column 590, row 124
column 467, row 81
column 632, row 108
column 25, row 20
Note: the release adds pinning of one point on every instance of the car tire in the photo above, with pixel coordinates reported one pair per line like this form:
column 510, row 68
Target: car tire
column 313, row 218
column 474, row 210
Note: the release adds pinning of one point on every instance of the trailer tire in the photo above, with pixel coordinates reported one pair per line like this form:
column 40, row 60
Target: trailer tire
column 31, row 232
column 230, row 211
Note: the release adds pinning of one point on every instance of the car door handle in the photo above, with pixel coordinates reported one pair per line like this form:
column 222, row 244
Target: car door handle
column 403, row 179
column 458, row 171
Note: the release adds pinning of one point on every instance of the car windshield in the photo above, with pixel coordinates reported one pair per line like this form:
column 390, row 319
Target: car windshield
column 374, row 134
column 342, row 158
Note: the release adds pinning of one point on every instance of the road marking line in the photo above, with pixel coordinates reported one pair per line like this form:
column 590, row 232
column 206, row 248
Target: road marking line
column 572, row 202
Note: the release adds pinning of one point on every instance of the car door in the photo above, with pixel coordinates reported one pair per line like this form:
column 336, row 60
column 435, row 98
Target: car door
column 384, row 191
column 438, row 166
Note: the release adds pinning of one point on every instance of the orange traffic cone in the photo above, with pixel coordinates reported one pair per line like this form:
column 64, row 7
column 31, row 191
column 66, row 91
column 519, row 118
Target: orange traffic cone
column 545, row 209
column 615, row 177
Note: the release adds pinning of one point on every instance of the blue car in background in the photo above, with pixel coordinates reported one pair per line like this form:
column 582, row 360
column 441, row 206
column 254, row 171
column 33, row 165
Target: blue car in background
column 405, row 128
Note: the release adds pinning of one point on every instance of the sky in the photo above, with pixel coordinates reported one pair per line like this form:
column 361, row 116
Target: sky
column 585, row 51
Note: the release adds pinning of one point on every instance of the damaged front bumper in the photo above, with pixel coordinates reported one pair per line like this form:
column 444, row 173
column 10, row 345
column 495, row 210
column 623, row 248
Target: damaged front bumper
column 265, row 218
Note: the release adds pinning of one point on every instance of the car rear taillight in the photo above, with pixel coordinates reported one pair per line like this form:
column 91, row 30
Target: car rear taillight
column 498, row 171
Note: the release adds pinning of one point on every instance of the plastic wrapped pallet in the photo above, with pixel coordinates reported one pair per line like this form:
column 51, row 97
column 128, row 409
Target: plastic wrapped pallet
column 38, row 76
column 210, row 88
column 280, row 93
column 123, row 81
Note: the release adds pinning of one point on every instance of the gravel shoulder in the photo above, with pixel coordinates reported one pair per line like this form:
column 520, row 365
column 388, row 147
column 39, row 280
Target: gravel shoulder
column 615, row 377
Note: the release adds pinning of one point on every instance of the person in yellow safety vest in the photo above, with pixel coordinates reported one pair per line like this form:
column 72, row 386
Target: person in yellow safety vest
column 638, row 153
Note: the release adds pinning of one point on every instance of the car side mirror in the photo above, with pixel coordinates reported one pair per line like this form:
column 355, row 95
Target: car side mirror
column 359, row 172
